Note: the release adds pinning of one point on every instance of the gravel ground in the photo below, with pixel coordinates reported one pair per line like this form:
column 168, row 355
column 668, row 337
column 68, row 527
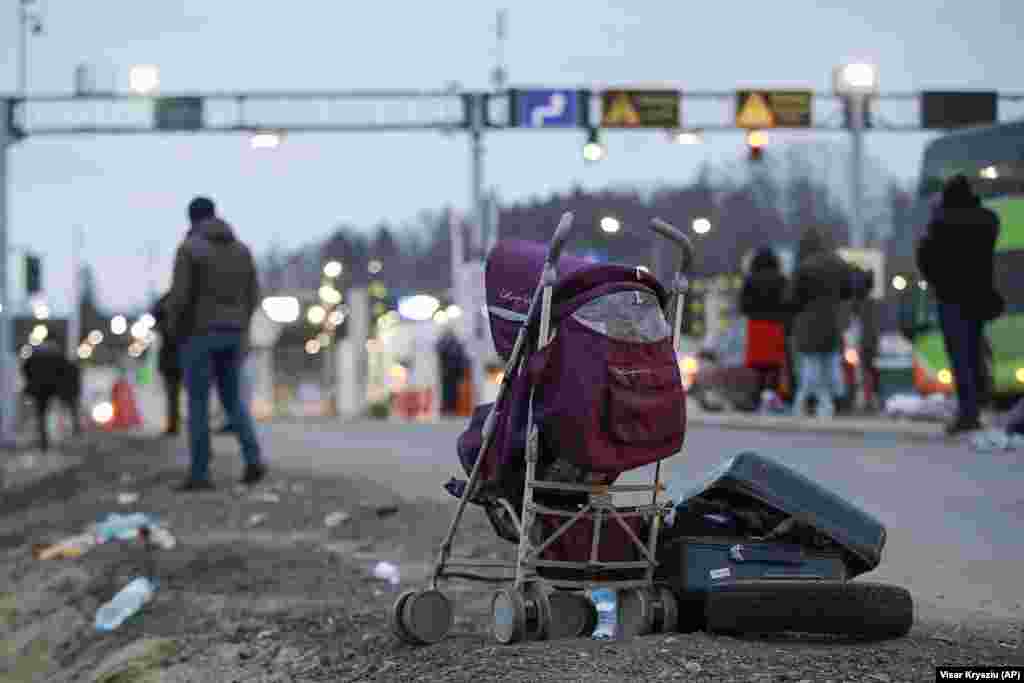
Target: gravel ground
column 260, row 589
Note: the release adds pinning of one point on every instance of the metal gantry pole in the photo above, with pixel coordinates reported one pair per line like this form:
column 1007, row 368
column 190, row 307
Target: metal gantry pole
column 480, row 209
column 857, row 110
column 8, row 400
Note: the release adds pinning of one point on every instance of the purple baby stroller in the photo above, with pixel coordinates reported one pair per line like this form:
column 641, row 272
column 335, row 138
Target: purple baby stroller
column 592, row 388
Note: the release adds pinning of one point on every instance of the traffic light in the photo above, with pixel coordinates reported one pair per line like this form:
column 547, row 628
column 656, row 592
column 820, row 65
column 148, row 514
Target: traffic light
column 756, row 141
column 33, row 274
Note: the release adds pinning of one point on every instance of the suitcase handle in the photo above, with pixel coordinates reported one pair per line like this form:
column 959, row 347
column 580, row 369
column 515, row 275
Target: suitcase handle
column 772, row 555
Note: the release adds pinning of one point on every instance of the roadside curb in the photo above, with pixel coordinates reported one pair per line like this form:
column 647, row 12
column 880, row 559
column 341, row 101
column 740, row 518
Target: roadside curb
column 911, row 431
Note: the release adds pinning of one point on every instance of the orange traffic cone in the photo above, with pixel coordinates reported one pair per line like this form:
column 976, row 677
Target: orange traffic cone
column 126, row 410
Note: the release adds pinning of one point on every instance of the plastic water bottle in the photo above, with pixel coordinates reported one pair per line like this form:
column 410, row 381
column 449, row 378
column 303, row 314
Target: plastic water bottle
column 607, row 613
column 127, row 602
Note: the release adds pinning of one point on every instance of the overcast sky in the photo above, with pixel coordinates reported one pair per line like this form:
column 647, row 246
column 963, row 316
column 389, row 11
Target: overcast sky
column 127, row 192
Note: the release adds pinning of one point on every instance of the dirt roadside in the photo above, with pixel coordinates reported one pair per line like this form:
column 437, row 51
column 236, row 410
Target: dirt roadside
column 260, row 589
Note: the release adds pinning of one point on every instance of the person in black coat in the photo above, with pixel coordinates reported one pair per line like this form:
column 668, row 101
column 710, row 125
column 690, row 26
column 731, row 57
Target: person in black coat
column 956, row 257
column 454, row 362
column 764, row 300
column 48, row 375
column 169, row 367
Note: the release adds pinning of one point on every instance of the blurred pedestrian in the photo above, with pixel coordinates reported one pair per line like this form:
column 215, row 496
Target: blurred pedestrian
column 245, row 391
column 210, row 306
column 48, row 375
column 956, row 258
column 765, row 303
column 169, row 365
column 454, row 363
column 865, row 309
column 820, row 284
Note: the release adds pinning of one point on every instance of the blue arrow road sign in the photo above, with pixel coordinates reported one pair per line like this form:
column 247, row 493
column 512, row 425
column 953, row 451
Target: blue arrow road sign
column 548, row 108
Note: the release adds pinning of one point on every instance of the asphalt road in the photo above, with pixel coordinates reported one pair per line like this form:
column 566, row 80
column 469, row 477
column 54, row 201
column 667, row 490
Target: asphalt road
column 953, row 517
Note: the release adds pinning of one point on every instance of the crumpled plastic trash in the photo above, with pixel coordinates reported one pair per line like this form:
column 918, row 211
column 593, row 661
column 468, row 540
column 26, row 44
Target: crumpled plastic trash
column 265, row 497
column 933, row 408
column 336, row 518
column 385, row 571
column 72, row 547
column 996, row 440
column 117, row 527
column 257, row 519
column 127, row 498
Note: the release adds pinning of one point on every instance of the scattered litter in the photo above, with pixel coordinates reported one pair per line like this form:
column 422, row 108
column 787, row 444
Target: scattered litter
column 266, row 497
column 336, row 518
column 162, row 538
column 934, row 408
column 127, row 498
column 387, row 511
column 126, row 603
column 944, row 639
column 264, row 635
column 995, row 440
column 126, row 478
column 117, row 527
column 257, row 519
column 72, row 547
column 385, row 571
column 693, row 667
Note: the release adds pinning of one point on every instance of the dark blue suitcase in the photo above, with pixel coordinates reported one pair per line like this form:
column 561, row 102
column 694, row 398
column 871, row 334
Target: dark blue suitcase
column 704, row 551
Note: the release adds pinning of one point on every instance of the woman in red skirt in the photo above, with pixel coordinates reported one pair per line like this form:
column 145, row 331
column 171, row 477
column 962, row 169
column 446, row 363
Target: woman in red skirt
column 765, row 303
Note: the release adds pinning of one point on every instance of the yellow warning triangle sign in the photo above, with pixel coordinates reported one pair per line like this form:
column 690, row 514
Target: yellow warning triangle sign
column 621, row 112
column 755, row 113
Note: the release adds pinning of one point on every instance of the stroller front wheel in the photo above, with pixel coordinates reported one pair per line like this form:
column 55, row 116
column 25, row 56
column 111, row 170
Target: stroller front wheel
column 508, row 612
column 422, row 617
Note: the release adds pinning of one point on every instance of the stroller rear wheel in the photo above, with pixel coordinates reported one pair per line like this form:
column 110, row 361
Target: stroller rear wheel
column 648, row 610
column 422, row 617
column 573, row 615
column 521, row 615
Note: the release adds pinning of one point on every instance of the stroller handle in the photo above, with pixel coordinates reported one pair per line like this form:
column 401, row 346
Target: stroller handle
column 671, row 233
column 560, row 238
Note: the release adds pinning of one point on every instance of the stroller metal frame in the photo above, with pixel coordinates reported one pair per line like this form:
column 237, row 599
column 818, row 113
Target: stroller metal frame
column 424, row 617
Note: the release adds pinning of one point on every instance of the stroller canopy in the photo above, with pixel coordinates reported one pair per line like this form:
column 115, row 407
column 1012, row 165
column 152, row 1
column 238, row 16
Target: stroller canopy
column 616, row 300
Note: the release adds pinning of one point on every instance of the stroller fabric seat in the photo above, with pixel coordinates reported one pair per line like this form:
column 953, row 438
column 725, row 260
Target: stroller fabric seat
column 606, row 392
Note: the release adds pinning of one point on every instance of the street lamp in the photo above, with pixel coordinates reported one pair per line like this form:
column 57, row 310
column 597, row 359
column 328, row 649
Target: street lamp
column 593, row 151
column 119, row 324
column 329, row 295
column 701, row 226
column 265, row 140
column 374, row 267
column 281, row 309
column 688, row 137
column 144, row 79
column 899, row 283
column 856, row 83
column 315, row 315
column 610, row 225
column 332, row 269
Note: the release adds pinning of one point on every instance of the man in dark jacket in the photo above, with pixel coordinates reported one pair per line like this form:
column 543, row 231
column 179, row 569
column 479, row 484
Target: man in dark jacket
column 48, row 375
column 956, row 257
column 170, row 367
column 821, row 284
column 209, row 309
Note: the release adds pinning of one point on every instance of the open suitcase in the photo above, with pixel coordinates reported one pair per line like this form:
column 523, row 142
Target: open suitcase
column 757, row 547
